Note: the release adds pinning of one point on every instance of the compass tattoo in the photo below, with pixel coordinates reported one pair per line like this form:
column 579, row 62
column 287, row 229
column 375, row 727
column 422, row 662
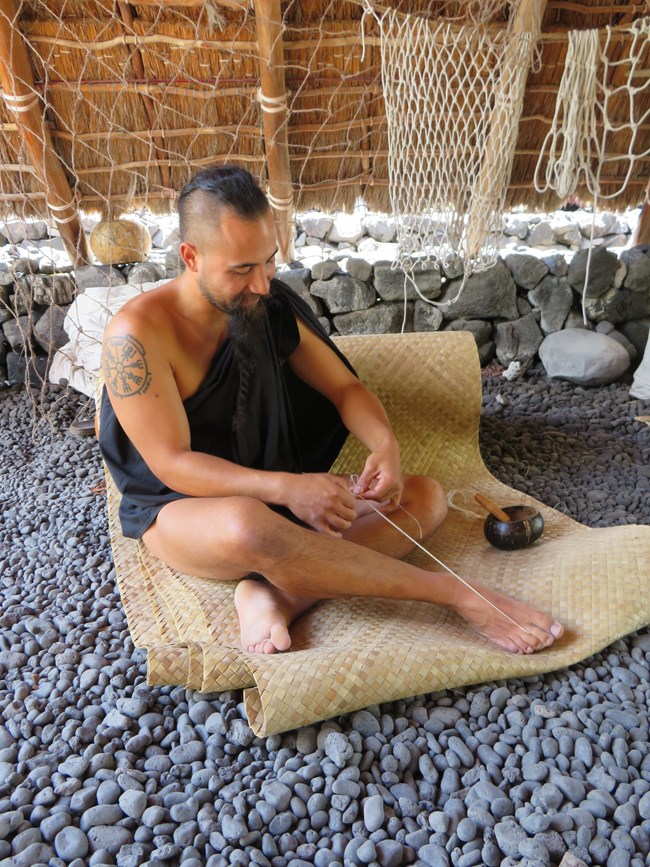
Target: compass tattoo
column 125, row 367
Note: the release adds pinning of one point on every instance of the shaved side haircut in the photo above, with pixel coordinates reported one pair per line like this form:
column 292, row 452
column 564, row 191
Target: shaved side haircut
column 215, row 190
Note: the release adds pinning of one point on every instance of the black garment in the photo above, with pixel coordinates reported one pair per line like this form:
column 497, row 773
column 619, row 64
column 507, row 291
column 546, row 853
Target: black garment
column 289, row 427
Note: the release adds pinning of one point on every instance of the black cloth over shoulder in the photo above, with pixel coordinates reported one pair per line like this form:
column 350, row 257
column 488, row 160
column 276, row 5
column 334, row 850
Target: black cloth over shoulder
column 289, row 426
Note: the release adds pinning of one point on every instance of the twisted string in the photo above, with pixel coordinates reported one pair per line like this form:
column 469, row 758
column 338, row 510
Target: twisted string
column 435, row 559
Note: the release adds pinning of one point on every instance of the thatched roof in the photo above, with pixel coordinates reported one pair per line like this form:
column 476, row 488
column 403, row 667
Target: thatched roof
column 136, row 96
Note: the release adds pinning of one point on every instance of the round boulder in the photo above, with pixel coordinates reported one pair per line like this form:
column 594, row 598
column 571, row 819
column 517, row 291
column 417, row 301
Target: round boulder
column 116, row 242
column 583, row 357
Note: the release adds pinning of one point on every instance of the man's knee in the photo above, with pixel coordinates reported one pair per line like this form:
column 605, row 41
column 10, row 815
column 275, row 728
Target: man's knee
column 426, row 498
column 250, row 528
column 234, row 530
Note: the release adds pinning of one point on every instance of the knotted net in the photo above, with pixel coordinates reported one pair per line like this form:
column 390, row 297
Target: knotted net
column 453, row 91
column 597, row 118
column 597, row 83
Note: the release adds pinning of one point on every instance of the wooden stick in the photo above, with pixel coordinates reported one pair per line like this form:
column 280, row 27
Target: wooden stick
column 234, row 4
column 144, row 136
column 275, row 120
column 17, row 81
column 319, row 41
column 492, row 508
column 642, row 232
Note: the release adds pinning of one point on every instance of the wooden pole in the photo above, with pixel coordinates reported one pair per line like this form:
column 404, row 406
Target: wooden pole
column 275, row 118
column 17, row 81
column 126, row 14
column 496, row 162
column 641, row 234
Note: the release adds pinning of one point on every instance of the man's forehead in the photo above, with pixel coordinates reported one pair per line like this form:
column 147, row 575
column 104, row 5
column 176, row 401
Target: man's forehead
column 254, row 240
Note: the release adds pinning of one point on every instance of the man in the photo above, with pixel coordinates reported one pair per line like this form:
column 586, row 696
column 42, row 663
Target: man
column 226, row 406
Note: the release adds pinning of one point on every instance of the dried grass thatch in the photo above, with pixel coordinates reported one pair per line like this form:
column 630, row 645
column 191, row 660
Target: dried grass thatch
column 137, row 96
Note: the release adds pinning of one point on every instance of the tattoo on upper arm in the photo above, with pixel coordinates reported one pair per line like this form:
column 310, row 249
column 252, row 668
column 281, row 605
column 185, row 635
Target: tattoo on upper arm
column 125, row 366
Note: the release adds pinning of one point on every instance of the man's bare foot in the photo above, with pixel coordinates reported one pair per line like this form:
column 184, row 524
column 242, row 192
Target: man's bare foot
column 531, row 630
column 265, row 615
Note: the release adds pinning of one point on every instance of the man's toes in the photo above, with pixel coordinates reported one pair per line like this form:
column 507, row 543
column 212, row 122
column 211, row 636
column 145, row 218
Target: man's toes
column 280, row 637
column 524, row 642
column 506, row 644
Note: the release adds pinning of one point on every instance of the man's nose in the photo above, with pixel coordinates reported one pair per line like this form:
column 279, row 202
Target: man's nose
column 259, row 283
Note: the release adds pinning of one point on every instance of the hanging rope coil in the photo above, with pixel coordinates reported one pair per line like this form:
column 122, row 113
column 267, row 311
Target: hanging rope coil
column 572, row 140
column 576, row 146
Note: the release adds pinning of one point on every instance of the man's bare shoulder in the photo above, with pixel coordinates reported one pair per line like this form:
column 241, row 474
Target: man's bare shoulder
column 149, row 313
column 139, row 343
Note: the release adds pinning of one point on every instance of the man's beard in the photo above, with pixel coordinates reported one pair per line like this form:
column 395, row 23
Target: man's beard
column 247, row 332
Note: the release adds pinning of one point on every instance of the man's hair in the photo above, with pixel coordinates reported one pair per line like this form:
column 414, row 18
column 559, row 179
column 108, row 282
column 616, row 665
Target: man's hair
column 229, row 188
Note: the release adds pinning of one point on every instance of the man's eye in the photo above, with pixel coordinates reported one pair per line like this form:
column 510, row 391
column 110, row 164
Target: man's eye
column 242, row 271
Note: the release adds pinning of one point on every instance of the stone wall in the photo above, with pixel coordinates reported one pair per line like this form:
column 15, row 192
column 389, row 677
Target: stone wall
column 344, row 269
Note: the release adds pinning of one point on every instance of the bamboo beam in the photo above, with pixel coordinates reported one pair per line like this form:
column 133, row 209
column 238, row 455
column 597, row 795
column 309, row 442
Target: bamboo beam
column 553, row 33
column 585, row 9
column 275, row 119
column 17, row 82
column 496, row 162
column 125, row 40
column 233, row 4
column 641, row 234
column 126, row 16
column 162, row 88
column 144, row 136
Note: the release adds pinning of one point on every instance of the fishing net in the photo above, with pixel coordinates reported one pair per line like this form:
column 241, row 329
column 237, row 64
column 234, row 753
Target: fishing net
column 453, row 93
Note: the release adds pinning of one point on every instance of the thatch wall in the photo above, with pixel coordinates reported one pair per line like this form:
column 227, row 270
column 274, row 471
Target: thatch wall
column 135, row 97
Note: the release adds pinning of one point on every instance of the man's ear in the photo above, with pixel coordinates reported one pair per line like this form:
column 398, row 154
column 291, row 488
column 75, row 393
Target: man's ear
column 188, row 254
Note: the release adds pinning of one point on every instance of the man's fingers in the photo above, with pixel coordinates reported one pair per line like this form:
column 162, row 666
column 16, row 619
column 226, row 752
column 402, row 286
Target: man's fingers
column 383, row 492
column 340, row 522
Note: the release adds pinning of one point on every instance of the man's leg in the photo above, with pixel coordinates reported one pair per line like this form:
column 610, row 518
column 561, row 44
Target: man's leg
column 266, row 612
column 232, row 537
column 422, row 510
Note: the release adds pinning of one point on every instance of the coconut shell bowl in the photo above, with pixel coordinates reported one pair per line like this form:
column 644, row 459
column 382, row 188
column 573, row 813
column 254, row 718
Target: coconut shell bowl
column 511, row 527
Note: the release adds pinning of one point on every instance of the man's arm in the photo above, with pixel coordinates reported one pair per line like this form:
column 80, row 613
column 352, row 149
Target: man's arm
column 360, row 410
column 144, row 394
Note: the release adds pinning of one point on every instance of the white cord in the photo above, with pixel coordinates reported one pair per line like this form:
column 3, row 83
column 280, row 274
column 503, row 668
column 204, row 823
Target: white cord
column 354, row 479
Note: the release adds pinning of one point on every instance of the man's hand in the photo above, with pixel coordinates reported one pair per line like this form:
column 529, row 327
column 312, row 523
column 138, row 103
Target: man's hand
column 321, row 500
column 381, row 479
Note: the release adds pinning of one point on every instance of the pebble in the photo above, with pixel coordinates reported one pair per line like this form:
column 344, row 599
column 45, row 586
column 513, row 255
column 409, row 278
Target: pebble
column 133, row 803
column 373, row 812
column 508, row 836
column 434, row 855
column 71, row 843
column 338, row 749
column 644, row 806
column 97, row 768
column 193, row 751
column 277, row 795
column 365, row 723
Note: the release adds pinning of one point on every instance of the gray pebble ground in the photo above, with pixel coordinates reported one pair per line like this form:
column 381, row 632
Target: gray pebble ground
column 97, row 768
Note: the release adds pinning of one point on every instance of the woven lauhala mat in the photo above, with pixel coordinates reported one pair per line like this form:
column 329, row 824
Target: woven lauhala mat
column 351, row 653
